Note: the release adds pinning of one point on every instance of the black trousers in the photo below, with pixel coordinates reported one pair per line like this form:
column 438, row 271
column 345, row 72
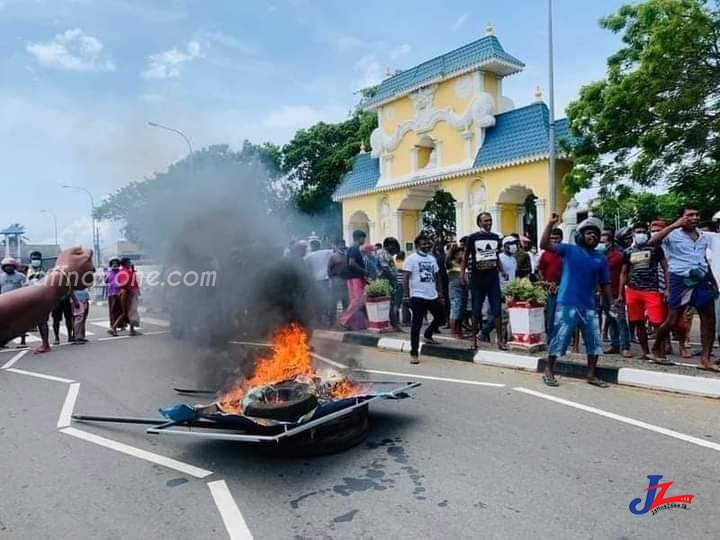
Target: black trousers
column 420, row 307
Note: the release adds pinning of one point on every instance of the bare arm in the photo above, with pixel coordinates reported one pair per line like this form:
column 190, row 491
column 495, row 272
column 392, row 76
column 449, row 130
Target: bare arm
column 607, row 294
column 658, row 237
column 545, row 238
column 623, row 280
column 406, row 284
column 23, row 309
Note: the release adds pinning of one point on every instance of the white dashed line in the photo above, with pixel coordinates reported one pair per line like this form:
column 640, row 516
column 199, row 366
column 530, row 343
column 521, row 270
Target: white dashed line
column 39, row 375
column 65, row 417
column 624, row 419
column 170, row 463
column 328, row 361
column 411, row 376
column 10, row 363
column 229, row 511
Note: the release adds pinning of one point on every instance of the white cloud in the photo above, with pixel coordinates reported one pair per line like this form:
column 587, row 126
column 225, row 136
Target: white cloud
column 460, row 21
column 230, row 42
column 167, row 64
column 400, row 51
column 294, row 117
column 73, row 50
column 370, row 71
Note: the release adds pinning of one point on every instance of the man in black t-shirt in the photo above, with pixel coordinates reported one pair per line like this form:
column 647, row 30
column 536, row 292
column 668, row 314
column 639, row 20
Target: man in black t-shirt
column 481, row 258
column 353, row 318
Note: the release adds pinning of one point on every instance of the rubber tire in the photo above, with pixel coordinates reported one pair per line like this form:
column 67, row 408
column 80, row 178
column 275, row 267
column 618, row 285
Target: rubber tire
column 287, row 411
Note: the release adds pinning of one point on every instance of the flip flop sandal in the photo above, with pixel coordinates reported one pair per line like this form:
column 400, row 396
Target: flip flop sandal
column 599, row 383
column 550, row 381
column 712, row 368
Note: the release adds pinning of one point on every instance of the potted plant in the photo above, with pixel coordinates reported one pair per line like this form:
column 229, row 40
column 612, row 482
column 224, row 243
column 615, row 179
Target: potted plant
column 525, row 301
column 377, row 302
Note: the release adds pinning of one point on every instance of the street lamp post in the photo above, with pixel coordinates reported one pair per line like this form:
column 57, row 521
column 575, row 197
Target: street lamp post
column 96, row 246
column 54, row 216
column 166, row 128
column 552, row 195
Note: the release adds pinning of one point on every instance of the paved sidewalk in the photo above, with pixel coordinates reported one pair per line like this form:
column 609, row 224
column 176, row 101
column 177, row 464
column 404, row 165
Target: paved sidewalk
column 683, row 377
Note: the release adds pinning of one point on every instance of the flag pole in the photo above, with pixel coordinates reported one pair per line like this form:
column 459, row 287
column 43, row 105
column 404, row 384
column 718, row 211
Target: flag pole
column 552, row 202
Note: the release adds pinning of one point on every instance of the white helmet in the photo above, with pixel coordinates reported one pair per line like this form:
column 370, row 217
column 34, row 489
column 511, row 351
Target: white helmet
column 716, row 216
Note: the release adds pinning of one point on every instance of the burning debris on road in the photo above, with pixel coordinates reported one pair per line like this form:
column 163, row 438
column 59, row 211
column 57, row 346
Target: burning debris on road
column 286, row 400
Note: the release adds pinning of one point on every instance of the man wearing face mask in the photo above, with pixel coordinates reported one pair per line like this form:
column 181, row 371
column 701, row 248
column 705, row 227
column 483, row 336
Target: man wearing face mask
column 11, row 279
column 640, row 285
column 508, row 259
column 584, row 271
column 35, row 275
column 423, row 293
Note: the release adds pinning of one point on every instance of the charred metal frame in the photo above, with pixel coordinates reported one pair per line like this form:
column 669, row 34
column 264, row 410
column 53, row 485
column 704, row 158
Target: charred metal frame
column 210, row 429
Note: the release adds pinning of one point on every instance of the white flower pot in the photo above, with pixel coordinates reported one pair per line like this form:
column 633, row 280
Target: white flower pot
column 378, row 311
column 527, row 323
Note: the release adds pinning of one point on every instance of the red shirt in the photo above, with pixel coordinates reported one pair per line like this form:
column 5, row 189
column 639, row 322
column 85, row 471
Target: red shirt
column 126, row 279
column 615, row 260
column 550, row 266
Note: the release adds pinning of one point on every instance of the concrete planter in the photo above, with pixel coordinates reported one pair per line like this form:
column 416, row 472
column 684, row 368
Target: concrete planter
column 378, row 311
column 527, row 323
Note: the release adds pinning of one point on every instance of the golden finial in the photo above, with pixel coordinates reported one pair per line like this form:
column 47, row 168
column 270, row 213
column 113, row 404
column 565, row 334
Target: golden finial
column 538, row 94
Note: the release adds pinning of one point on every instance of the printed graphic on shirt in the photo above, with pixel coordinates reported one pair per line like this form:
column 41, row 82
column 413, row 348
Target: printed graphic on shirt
column 426, row 271
column 641, row 259
column 486, row 254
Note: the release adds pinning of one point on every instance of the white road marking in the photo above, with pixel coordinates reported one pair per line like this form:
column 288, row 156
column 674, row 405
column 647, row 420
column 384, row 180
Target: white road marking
column 156, row 333
column 170, row 463
column 411, row 376
column 156, row 322
column 39, row 375
column 65, row 417
column 232, row 518
column 328, row 361
column 112, row 338
column 624, row 419
column 10, row 363
column 251, row 343
column 63, row 332
column 29, row 338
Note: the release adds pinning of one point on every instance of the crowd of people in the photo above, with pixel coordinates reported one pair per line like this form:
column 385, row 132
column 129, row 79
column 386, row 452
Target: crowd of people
column 617, row 286
column 71, row 309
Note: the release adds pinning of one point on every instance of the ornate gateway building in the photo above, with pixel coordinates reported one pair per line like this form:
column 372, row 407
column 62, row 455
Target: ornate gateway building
column 445, row 124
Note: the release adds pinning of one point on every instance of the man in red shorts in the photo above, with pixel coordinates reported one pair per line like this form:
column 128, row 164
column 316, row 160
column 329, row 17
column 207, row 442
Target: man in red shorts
column 640, row 282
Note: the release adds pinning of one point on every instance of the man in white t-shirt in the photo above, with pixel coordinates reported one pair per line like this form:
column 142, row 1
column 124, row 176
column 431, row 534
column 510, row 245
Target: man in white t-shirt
column 420, row 286
column 713, row 257
column 508, row 258
column 317, row 263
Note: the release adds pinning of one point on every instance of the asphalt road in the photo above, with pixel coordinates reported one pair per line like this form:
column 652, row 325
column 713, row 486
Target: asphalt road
column 459, row 460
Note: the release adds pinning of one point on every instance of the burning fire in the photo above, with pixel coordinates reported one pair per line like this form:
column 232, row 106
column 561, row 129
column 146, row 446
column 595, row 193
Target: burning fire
column 290, row 360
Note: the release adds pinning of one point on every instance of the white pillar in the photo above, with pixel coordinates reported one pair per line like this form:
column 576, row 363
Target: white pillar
column 520, row 219
column 348, row 234
column 372, row 236
column 459, row 227
column 541, row 218
column 397, row 229
column 494, row 212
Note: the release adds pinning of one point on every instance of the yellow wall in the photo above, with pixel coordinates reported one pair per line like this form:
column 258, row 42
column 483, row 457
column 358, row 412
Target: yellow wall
column 491, row 87
column 508, row 220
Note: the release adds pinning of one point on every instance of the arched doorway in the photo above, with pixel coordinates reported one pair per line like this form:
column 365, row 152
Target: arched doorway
column 359, row 221
column 518, row 213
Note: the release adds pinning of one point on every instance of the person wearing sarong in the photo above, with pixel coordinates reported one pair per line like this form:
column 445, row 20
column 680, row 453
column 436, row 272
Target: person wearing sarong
column 690, row 282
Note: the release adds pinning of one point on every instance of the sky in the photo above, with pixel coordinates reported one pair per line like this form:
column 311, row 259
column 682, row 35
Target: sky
column 81, row 79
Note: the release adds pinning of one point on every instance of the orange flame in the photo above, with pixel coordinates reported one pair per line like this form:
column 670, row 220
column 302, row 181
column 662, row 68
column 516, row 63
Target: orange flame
column 291, row 359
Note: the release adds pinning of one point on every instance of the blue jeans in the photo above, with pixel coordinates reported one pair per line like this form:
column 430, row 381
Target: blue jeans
column 618, row 329
column 567, row 320
column 550, row 307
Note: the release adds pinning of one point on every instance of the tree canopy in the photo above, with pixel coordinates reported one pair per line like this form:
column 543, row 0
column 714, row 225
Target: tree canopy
column 439, row 216
column 655, row 119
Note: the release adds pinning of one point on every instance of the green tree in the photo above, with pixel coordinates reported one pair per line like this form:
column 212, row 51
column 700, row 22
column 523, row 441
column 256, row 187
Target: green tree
column 439, row 216
column 316, row 159
column 655, row 119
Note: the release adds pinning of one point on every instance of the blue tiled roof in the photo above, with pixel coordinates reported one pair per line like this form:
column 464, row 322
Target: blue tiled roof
column 517, row 134
column 363, row 176
column 483, row 50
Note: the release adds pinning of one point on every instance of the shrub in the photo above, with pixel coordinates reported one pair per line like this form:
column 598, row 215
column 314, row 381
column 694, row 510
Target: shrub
column 524, row 290
column 378, row 288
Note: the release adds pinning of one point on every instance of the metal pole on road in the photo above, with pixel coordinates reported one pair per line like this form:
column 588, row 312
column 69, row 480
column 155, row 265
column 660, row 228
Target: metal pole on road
column 167, row 128
column 54, row 216
column 96, row 247
column 552, row 194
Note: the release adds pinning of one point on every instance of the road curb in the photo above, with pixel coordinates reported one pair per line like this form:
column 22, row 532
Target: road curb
column 671, row 382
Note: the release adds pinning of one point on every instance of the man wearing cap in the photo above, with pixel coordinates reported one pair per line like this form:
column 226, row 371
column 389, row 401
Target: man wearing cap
column 584, row 271
column 11, row 279
column 690, row 281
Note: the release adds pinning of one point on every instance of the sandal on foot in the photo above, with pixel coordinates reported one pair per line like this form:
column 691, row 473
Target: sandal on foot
column 414, row 360
column 598, row 382
column 550, row 380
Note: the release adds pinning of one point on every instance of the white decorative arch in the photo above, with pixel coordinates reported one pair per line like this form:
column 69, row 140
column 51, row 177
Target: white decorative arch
column 479, row 113
column 385, row 218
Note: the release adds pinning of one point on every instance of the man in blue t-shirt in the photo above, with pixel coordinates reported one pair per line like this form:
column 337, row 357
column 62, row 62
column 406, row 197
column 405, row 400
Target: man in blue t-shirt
column 584, row 271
